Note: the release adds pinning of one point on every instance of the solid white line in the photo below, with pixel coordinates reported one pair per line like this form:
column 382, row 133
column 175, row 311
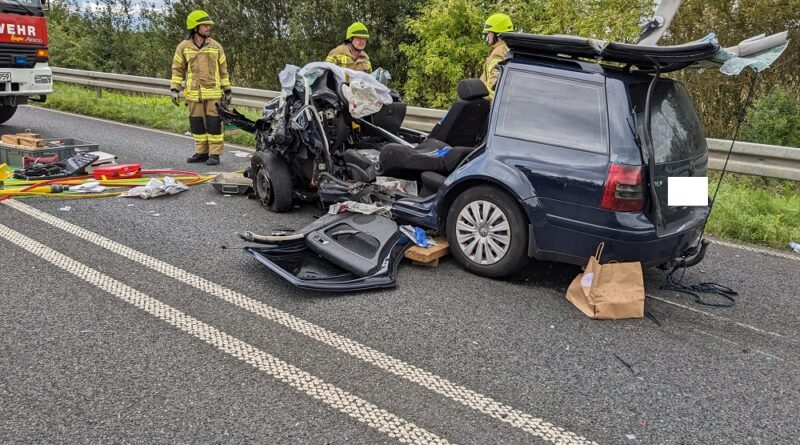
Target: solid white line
column 122, row 124
column 739, row 345
column 729, row 320
column 761, row 250
column 467, row 397
column 355, row 407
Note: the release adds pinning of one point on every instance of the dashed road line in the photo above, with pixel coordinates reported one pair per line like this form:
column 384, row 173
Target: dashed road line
column 532, row 425
column 354, row 406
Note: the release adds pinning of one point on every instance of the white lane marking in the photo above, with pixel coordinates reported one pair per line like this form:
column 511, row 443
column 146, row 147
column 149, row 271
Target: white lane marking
column 355, row 407
column 154, row 130
column 467, row 397
column 725, row 319
column 761, row 250
column 738, row 345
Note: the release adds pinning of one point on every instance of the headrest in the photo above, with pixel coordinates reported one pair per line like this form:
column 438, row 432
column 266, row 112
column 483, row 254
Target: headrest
column 472, row 89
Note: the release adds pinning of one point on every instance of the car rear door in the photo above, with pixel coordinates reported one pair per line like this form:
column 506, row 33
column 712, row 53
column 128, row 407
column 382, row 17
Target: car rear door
column 679, row 147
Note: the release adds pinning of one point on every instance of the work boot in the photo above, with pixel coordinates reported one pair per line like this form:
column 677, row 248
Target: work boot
column 198, row 157
column 213, row 160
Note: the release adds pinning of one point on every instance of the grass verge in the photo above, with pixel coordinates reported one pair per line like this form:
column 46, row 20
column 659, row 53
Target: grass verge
column 750, row 209
column 755, row 210
column 133, row 108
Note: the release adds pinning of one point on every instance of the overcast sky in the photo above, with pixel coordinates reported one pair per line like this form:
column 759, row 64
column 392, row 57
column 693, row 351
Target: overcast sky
column 142, row 3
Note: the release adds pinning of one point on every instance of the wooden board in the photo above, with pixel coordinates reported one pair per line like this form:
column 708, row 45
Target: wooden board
column 429, row 256
column 10, row 139
column 23, row 140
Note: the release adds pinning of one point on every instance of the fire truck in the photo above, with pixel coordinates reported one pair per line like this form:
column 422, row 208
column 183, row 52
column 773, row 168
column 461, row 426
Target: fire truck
column 24, row 71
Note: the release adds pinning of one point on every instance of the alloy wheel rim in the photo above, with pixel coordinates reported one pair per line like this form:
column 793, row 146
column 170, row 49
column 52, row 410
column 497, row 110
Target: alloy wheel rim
column 263, row 186
column 483, row 232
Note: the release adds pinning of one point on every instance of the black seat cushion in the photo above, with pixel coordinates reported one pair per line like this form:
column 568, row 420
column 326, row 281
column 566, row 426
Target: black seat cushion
column 404, row 162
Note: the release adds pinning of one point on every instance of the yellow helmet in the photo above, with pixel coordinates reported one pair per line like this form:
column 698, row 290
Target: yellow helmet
column 357, row 29
column 196, row 18
column 498, row 23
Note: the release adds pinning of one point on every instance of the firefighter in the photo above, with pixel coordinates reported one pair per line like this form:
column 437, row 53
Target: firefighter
column 350, row 54
column 200, row 61
column 495, row 24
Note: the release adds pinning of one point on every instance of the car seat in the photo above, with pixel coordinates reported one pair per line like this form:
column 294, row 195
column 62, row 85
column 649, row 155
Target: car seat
column 405, row 162
column 466, row 120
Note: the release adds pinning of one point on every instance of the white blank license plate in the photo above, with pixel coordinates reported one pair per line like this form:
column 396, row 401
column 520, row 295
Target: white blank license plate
column 684, row 191
column 5, row 77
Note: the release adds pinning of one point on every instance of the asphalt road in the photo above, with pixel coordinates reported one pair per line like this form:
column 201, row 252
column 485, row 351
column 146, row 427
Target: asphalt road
column 132, row 321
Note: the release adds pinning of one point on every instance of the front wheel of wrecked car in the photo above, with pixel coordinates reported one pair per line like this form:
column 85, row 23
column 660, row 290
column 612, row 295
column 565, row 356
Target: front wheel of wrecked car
column 487, row 232
column 272, row 181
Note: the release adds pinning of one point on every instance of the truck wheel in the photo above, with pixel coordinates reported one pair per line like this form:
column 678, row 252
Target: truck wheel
column 487, row 232
column 272, row 181
column 6, row 112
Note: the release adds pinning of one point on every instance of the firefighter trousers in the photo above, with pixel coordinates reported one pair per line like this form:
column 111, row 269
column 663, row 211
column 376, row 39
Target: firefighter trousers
column 206, row 127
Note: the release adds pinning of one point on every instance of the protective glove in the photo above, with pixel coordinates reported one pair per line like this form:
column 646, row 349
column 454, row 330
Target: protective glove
column 175, row 98
column 226, row 98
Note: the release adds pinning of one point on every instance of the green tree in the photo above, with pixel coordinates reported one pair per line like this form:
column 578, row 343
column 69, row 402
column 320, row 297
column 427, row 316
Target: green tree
column 262, row 36
column 719, row 97
column 108, row 38
column 449, row 46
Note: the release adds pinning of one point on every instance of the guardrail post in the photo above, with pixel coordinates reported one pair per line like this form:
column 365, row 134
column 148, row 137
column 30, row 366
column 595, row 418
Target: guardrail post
column 99, row 92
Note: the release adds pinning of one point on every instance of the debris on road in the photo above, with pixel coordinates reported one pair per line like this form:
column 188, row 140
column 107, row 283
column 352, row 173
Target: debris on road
column 232, row 183
column 634, row 368
column 358, row 207
column 428, row 256
column 155, row 188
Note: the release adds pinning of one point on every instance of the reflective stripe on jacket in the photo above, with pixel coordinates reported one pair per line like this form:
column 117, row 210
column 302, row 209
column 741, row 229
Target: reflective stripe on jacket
column 205, row 70
column 342, row 56
column 490, row 70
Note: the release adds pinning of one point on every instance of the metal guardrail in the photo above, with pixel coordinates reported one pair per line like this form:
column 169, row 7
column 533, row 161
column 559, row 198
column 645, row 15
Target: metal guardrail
column 749, row 158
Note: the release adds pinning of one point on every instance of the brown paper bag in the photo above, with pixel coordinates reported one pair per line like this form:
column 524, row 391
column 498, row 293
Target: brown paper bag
column 608, row 291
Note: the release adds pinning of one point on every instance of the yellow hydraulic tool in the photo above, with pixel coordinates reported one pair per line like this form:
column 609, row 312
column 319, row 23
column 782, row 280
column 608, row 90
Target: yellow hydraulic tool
column 5, row 172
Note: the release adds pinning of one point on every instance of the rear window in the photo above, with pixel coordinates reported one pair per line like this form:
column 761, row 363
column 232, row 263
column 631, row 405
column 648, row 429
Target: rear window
column 554, row 111
column 677, row 131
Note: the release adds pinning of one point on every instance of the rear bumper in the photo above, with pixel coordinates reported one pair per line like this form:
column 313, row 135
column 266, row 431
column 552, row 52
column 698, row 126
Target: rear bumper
column 574, row 242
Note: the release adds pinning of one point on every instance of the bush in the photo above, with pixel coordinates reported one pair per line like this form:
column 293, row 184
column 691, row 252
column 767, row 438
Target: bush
column 774, row 119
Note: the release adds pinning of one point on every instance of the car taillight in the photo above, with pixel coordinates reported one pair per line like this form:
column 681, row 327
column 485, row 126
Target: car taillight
column 42, row 55
column 624, row 189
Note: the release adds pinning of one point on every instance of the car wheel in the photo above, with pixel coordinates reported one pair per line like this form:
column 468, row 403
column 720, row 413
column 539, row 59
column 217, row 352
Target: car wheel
column 272, row 181
column 6, row 112
column 487, row 232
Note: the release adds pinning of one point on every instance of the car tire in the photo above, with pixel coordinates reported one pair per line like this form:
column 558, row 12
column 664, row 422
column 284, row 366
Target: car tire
column 7, row 112
column 495, row 243
column 272, row 181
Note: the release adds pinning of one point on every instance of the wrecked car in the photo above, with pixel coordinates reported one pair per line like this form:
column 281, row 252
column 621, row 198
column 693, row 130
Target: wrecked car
column 575, row 150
